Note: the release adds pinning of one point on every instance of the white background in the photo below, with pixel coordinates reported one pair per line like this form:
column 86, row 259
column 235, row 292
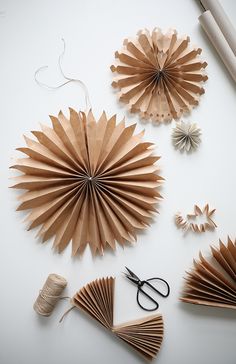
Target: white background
column 30, row 37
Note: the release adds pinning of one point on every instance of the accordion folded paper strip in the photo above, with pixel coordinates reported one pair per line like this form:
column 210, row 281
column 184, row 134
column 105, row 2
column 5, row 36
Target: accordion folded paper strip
column 212, row 281
column 190, row 222
column 90, row 182
column 144, row 335
column 159, row 75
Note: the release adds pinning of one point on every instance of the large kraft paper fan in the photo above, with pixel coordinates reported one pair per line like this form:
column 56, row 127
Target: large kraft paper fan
column 144, row 335
column 90, row 182
column 159, row 75
column 212, row 280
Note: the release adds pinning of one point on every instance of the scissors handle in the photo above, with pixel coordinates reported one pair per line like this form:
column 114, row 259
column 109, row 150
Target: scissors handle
column 142, row 283
column 156, row 290
column 156, row 304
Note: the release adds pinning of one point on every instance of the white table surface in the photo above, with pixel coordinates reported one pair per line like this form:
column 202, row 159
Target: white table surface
column 30, row 33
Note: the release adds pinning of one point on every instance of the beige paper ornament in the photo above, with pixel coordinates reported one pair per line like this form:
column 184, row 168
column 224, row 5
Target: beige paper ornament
column 212, row 281
column 144, row 335
column 186, row 136
column 90, row 182
column 159, row 75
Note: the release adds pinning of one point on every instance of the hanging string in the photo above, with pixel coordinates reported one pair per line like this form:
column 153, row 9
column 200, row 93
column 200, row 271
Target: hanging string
column 50, row 294
column 68, row 79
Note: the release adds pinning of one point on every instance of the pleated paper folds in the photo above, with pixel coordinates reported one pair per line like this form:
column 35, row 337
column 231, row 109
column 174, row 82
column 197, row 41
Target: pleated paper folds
column 189, row 222
column 144, row 335
column 159, row 75
column 212, row 282
column 90, row 182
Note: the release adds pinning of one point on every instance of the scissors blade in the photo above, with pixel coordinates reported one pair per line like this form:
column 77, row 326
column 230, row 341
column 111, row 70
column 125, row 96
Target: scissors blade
column 132, row 276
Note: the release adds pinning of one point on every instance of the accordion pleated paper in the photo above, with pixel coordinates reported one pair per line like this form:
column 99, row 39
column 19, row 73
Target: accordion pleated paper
column 144, row 335
column 212, row 280
column 190, row 221
column 90, row 182
column 159, row 75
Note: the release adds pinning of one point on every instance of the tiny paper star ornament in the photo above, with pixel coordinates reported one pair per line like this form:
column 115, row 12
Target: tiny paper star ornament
column 186, row 136
column 188, row 223
column 159, row 75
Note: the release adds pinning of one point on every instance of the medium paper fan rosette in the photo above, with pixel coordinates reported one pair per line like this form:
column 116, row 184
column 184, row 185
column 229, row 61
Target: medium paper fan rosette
column 90, row 182
column 159, row 75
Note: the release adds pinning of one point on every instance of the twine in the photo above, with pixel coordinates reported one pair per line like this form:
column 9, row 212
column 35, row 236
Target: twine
column 67, row 79
column 64, row 314
column 50, row 294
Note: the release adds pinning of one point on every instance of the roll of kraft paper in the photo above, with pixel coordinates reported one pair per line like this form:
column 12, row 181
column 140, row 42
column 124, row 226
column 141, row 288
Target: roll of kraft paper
column 222, row 20
column 219, row 42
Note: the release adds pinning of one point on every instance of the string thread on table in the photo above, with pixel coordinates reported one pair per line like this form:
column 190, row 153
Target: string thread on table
column 68, row 80
column 50, row 294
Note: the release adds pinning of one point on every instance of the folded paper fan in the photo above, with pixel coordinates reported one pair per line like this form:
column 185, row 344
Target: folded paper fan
column 159, row 75
column 90, row 182
column 144, row 335
column 213, row 282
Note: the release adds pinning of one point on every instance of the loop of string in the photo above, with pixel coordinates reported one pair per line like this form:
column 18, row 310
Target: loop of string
column 68, row 79
column 50, row 294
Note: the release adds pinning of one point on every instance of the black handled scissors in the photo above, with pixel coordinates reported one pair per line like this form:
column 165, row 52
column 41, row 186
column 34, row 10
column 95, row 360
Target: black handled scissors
column 135, row 279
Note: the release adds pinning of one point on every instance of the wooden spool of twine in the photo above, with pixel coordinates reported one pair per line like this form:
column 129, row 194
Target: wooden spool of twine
column 49, row 294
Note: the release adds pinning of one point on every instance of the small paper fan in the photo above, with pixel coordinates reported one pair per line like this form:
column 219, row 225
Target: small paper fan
column 144, row 335
column 90, row 182
column 213, row 282
column 159, row 75
column 96, row 299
